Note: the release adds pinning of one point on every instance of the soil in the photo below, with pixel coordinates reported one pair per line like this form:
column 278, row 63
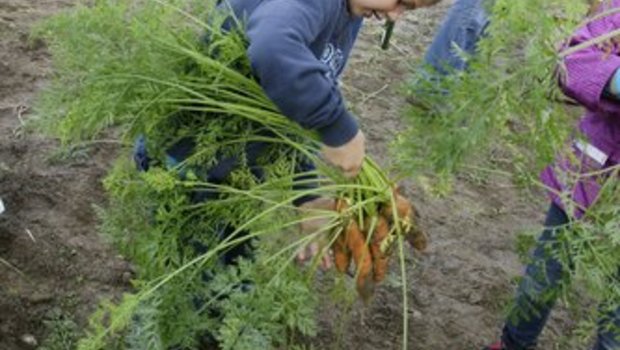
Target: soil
column 49, row 231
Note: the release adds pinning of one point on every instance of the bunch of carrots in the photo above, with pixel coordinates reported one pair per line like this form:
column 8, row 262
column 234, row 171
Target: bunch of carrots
column 368, row 240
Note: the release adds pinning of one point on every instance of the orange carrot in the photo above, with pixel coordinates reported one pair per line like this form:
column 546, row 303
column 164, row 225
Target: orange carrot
column 418, row 239
column 407, row 216
column 342, row 255
column 416, row 236
column 404, row 209
column 380, row 260
column 356, row 243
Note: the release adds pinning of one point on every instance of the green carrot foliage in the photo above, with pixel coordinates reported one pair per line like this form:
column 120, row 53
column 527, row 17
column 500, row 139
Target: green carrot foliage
column 164, row 70
column 506, row 112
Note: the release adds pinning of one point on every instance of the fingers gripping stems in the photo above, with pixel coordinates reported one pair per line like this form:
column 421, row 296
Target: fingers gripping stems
column 349, row 157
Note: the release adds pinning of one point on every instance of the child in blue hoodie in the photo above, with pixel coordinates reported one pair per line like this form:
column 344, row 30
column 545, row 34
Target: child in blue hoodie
column 297, row 50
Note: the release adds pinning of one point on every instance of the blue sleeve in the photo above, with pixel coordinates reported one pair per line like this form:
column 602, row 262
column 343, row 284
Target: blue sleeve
column 280, row 33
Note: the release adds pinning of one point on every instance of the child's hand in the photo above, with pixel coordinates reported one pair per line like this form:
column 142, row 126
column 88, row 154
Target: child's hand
column 316, row 214
column 348, row 157
column 313, row 249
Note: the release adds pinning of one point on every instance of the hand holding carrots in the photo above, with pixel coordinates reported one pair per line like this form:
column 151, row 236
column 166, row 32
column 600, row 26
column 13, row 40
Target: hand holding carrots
column 367, row 240
column 349, row 157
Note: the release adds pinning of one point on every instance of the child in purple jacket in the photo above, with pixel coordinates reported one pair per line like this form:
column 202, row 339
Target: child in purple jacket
column 591, row 76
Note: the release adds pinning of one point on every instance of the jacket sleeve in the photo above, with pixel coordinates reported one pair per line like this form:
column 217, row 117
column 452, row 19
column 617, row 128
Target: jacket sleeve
column 280, row 33
column 588, row 71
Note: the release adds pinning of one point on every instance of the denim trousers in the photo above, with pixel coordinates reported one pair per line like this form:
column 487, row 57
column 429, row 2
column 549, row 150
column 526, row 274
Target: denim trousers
column 536, row 294
column 461, row 29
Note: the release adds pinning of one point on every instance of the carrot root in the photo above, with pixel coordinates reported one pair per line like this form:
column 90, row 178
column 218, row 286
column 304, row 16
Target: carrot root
column 380, row 259
column 342, row 256
column 356, row 243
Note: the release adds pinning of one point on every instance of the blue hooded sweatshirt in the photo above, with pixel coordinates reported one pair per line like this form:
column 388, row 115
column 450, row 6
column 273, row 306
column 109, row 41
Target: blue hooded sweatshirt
column 297, row 50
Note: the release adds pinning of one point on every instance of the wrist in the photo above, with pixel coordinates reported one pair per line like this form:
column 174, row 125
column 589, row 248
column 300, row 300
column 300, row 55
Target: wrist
column 341, row 131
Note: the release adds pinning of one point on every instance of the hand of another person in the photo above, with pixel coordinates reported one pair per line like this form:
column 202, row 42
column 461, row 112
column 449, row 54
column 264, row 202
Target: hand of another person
column 349, row 157
column 313, row 223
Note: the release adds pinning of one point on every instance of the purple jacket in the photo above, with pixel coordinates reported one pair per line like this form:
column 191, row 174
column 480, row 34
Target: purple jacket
column 587, row 73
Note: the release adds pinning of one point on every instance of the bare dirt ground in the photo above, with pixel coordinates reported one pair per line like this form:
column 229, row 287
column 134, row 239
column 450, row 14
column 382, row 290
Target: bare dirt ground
column 49, row 232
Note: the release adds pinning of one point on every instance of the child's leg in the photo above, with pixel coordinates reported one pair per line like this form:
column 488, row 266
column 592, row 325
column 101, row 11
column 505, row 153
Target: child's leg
column 217, row 175
column 303, row 180
column 537, row 290
column 462, row 27
column 608, row 337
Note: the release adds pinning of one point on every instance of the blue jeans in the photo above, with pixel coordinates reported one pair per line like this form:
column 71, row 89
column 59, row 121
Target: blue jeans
column 463, row 26
column 537, row 293
column 217, row 174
